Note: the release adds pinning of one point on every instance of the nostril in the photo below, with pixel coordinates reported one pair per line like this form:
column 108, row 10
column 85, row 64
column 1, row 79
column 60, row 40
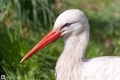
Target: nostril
column 62, row 30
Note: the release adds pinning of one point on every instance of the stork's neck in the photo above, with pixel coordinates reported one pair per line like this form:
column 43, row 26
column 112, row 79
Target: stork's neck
column 72, row 57
column 76, row 45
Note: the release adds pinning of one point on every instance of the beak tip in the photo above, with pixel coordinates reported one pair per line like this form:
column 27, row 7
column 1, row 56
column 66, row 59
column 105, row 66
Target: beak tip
column 21, row 60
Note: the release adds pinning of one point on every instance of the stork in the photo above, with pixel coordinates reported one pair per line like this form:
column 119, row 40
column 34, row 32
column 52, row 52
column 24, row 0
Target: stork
column 73, row 26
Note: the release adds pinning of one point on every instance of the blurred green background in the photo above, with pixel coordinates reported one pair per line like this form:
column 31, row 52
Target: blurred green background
column 24, row 22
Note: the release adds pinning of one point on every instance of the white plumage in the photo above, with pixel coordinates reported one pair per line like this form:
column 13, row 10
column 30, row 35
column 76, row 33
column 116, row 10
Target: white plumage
column 73, row 26
column 71, row 64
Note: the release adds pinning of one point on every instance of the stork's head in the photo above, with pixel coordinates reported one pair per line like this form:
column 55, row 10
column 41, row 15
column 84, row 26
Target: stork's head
column 69, row 23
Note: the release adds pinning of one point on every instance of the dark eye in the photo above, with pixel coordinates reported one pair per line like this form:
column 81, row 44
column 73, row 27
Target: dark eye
column 67, row 25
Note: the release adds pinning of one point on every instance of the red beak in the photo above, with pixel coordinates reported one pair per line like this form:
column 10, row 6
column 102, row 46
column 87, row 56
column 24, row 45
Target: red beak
column 49, row 38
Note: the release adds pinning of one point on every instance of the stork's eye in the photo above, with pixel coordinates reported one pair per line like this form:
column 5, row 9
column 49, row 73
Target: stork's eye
column 67, row 25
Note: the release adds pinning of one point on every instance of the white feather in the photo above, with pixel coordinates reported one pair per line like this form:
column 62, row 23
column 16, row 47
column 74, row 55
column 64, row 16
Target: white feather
column 71, row 64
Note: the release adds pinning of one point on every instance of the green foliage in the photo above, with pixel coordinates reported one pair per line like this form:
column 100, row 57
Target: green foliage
column 19, row 19
column 24, row 22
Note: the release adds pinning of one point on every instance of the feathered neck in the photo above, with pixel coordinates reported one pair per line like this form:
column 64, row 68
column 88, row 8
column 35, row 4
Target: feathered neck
column 70, row 62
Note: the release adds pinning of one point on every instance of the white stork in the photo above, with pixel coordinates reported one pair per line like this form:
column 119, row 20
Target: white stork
column 73, row 26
